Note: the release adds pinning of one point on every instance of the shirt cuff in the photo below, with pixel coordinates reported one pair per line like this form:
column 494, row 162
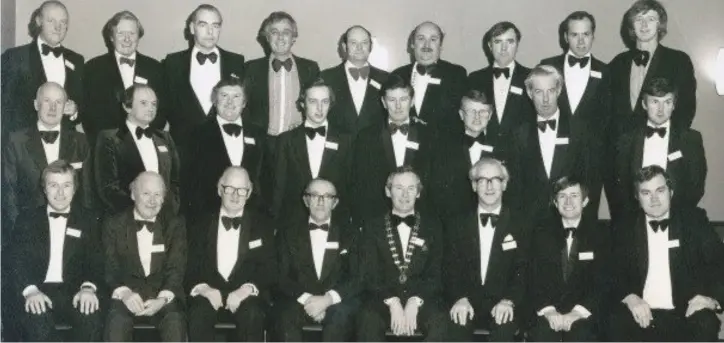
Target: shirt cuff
column 392, row 300
column 88, row 284
column 303, row 298
column 30, row 289
column 254, row 290
column 542, row 311
column 168, row 295
column 584, row 312
column 198, row 289
column 417, row 300
column 118, row 292
column 336, row 299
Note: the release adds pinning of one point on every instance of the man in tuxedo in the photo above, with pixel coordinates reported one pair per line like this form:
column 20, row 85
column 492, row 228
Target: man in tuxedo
column 123, row 153
column 233, row 264
column 223, row 140
column 356, row 84
column 313, row 150
column 145, row 258
column 644, row 26
column 319, row 276
column 403, row 141
column 586, row 96
column 484, row 263
column 276, row 80
column 438, row 84
column 504, row 80
column 678, row 150
column 402, row 252
column 192, row 73
column 568, row 256
column 668, row 269
column 108, row 75
column 45, row 59
column 56, row 262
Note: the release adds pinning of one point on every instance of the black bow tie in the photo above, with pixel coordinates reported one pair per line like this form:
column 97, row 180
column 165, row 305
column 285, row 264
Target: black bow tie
column 49, row 137
column 140, row 132
column 232, row 129
column 551, row 123
column 470, row 141
column 58, row 215
column 422, row 69
column 202, row 57
column 277, row 64
column 404, row 128
column 491, row 218
column 501, row 71
column 312, row 132
column 408, row 220
column 570, row 231
column 641, row 57
column 141, row 223
column 315, row 226
column 583, row 61
column 129, row 61
column 661, row 131
column 363, row 72
column 657, row 225
column 231, row 222
column 57, row 51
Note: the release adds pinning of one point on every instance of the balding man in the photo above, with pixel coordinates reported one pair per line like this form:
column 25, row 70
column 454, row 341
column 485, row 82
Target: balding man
column 438, row 84
column 145, row 259
column 356, row 84
column 233, row 264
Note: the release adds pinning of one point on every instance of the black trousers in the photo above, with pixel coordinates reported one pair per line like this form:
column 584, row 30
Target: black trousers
column 483, row 319
column 249, row 319
column 667, row 326
column 41, row 327
column 374, row 320
column 170, row 322
column 337, row 325
column 581, row 330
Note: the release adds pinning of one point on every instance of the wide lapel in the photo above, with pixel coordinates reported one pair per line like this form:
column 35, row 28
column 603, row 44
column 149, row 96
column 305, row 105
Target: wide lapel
column 563, row 101
column 67, row 147
column 158, row 257
column 132, row 155
column 164, row 156
column 673, row 166
column 245, row 236
column 116, row 80
column 185, row 69
column 650, row 73
column 69, row 72
column 224, row 67
column 637, row 150
column 34, row 145
column 305, row 256
column 42, row 238
column 331, row 255
column 142, row 69
column 386, row 138
column 537, row 157
column 675, row 262
column 328, row 154
column 216, row 144
column 304, row 73
column 432, row 93
column 345, row 95
column 561, row 155
column 132, row 241
column 496, row 250
column 212, row 246
column 370, row 99
column 413, row 136
column 641, row 248
column 71, row 243
column 591, row 86
column 473, row 231
column 35, row 64
column 261, row 85
column 512, row 103
column 301, row 151
column 625, row 80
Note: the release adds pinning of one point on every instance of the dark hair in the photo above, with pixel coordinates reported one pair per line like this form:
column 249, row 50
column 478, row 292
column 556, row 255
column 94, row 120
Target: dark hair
column 647, row 174
column 396, row 82
column 130, row 93
column 59, row 167
column 343, row 39
column 642, row 6
column 319, row 82
column 563, row 27
column 276, row 17
column 477, row 96
column 660, row 86
column 228, row 82
column 403, row 170
column 113, row 22
column 33, row 27
column 192, row 17
column 497, row 30
column 317, row 179
column 566, row 182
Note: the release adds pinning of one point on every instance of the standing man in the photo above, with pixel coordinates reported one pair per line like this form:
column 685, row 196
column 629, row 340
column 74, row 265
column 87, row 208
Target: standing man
column 438, row 84
column 356, row 84
column 107, row 76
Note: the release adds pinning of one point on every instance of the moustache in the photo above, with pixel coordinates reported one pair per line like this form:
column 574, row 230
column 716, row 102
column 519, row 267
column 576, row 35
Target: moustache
column 426, row 49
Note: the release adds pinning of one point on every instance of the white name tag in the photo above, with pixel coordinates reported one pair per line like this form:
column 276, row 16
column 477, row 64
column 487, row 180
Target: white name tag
column 249, row 140
column 412, row 145
column 509, row 245
column 234, row 76
column 375, row 84
column 69, row 65
column 596, row 74
column 162, row 148
column 72, row 232
column 255, row 244
column 77, row 165
column 140, row 80
column 434, row 81
column 585, row 256
column 344, row 251
column 487, row 148
column 158, row 248
column 418, row 241
column 675, row 155
column 516, row 90
column 674, row 243
column 331, row 145
column 561, row 140
column 333, row 245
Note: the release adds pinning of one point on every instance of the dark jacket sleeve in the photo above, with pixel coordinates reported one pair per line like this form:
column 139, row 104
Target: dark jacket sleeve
column 10, row 207
column 113, row 276
column 175, row 187
column 287, row 285
column 174, row 269
column 22, row 263
column 686, row 99
column 430, row 284
column 697, row 171
column 351, row 285
column 107, row 180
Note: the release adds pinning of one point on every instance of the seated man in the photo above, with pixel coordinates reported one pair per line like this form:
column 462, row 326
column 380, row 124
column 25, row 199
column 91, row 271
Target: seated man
column 668, row 269
column 402, row 252
column 145, row 264
column 567, row 268
column 318, row 279
column 484, row 261
column 56, row 262
column 232, row 264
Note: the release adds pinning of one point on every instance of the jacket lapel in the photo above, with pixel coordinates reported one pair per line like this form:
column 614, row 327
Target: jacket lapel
column 305, row 256
column 650, row 73
column 328, row 154
column 34, row 145
column 496, row 250
column 511, row 105
column 213, row 237
column 158, row 258
column 431, row 93
column 217, row 140
column 245, row 236
column 386, row 138
column 625, row 80
column 591, row 86
column 673, row 166
column 130, row 150
column 164, row 156
column 132, row 241
column 116, row 80
column 35, row 65
column 537, row 156
column 637, row 153
column 302, row 152
column 561, row 155
column 185, row 69
column 331, row 255
column 641, row 237
column 67, row 146
column 412, row 137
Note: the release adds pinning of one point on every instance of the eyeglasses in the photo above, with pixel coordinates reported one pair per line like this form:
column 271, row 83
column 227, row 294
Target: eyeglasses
column 480, row 112
column 317, row 197
column 649, row 20
column 495, row 180
column 285, row 33
column 228, row 190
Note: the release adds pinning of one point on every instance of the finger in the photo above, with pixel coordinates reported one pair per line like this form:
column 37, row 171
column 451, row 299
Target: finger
column 76, row 298
column 471, row 313
column 33, row 307
column 42, row 306
column 463, row 318
column 453, row 316
column 27, row 306
column 47, row 300
column 506, row 316
column 96, row 304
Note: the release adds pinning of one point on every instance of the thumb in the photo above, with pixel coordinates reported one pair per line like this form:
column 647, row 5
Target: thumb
column 76, row 299
column 47, row 300
column 472, row 313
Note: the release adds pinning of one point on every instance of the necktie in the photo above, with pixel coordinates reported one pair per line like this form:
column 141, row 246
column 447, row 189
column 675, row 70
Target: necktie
column 422, row 69
column 641, row 57
column 661, row 131
column 551, row 123
column 363, row 72
column 202, row 57
column 315, row 226
column 404, row 128
column 408, row 220
column 657, row 225
column 49, row 137
column 129, row 61
column 583, row 61
column 141, row 223
column 501, row 71
column 491, row 218
column 231, row 222
column 57, row 51
column 313, row 132
column 470, row 141
column 56, row 215
column 143, row 132
column 570, row 232
column 277, row 64
column 232, row 129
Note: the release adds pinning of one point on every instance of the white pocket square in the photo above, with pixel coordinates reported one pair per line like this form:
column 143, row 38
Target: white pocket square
column 255, row 244
column 343, row 252
column 508, row 238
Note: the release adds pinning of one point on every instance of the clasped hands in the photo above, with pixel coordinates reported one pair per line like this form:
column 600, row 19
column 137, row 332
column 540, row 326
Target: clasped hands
column 403, row 320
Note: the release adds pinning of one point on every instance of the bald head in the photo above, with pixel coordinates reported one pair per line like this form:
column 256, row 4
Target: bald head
column 233, row 174
column 427, row 43
column 357, row 43
column 49, row 103
column 147, row 192
column 234, row 188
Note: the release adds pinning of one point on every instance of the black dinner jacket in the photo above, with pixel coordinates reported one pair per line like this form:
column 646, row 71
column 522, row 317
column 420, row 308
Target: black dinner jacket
column 441, row 102
column 22, row 75
column 380, row 274
column 505, row 277
column 257, row 81
column 518, row 107
column 672, row 64
column 183, row 110
column 23, row 163
column 103, row 86
column 687, row 172
column 123, row 263
column 117, row 162
column 254, row 264
column 696, row 264
column 292, row 171
column 340, row 266
column 344, row 114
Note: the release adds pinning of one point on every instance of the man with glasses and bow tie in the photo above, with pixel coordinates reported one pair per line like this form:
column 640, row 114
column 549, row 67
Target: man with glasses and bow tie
column 145, row 264
column 485, row 262
column 667, row 283
column 678, row 150
column 233, row 264
column 402, row 269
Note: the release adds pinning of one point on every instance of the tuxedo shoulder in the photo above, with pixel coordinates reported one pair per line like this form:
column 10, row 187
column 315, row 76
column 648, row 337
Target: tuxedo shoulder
column 452, row 67
column 19, row 136
column 620, row 57
column 254, row 130
column 108, row 134
column 478, row 73
column 15, row 52
column 673, row 52
column 331, row 72
column 96, row 61
column 148, row 59
column 553, row 60
column 175, row 56
column 231, row 54
column 403, row 69
column 261, row 61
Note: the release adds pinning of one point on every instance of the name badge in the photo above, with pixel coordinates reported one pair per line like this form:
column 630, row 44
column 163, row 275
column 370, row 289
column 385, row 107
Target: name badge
column 418, row 241
column 70, row 65
column 158, row 248
column 412, row 145
column 162, row 148
column 487, row 148
column 585, row 256
column 77, row 165
column 434, row 81
column 516, row 90
column 509, row 245
column 255, row 244
column 333, row 245
column 72, row 232
column 249, row 140
column 596, row 74
column 140, row 80
column 674, row 244
column 331, row 145
column 675, row 155
column 375, row 84
column 561, row 140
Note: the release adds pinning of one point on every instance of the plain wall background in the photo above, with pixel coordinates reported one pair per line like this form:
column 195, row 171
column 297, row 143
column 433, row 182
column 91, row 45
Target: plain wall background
column 695, row 27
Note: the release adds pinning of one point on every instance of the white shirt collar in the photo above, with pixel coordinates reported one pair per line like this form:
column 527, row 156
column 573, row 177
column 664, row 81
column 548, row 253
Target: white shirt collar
column 403, row 215
column 348, row 64
column 667, row 124
column 51, row 209
column 41, row 42
column 555, row 116
column 307, row 124
column 118, row 56
column 223, row 212
column 664, row 217
column 405, row 122
column 137, row 216
column 576, row 222
column 495, row 211
column 570, row 53
column 42, row 128
column 511, row 66
column 132, row 127
column 328, row 221
column 223, row 121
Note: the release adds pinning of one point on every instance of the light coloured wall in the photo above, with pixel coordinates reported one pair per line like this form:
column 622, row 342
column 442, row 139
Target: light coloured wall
column 697, row 29
column 7, row 24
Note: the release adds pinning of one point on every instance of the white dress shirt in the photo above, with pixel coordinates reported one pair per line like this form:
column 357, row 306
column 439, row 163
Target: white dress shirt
column 204, row 77
column 547, row 141
column 145, row 245
column 399, row 145
column 318, row 238
column 637, row 77
column 227, row 246
column 57, row 242
column 358, row 88
column 475, row 150
column 419, row 83
column 486, row 242
column 127, row 72
column 657, row 288
column 569, row 238
column 403, row 232
column 656, row 148
column 145, row 147
column 315, row 150
column 52, row 150
column 576, row 79
column 54, row 67
column 501, row 88
column 234, row 145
